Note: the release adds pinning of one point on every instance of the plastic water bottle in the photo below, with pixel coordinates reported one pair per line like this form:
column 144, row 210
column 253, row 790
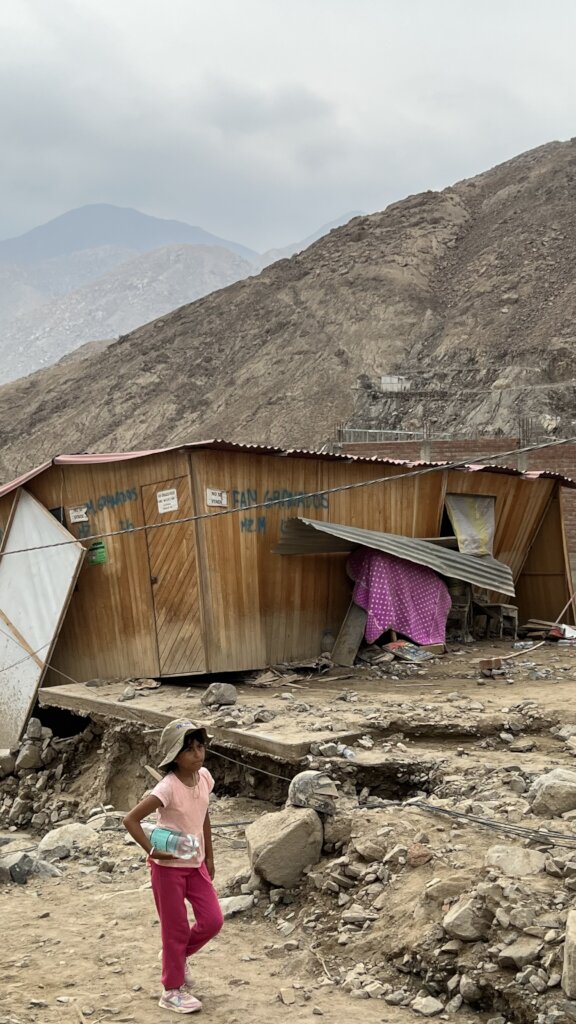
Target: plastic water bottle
column 183, row 845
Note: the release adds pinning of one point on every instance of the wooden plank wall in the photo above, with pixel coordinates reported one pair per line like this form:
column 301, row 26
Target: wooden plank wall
column 520, row 507
column 258, row 608
column 263, row 608
column 545, row 584
column 110, row 629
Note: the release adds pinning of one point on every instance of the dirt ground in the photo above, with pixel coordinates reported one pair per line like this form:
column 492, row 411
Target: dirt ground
column 84, row 947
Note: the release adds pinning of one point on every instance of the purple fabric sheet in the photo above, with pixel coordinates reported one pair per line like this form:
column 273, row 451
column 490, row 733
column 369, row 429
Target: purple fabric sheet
column 400, row 595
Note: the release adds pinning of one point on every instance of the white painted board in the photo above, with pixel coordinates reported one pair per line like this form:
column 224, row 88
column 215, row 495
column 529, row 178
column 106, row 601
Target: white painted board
column 35, row 589
column 167, row 500
column 216, row 498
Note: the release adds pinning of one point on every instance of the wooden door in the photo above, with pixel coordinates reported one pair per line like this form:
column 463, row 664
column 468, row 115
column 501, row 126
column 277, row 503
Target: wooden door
column 174, row 577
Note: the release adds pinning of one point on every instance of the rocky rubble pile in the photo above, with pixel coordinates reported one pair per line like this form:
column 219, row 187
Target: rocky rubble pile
column 34, row 778
column 421, row 911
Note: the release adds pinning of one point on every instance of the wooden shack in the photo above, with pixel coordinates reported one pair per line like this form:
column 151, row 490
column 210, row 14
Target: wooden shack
column 180, row 575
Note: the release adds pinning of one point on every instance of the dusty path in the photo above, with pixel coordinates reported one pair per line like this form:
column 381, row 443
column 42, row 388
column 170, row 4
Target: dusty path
column 85, row 946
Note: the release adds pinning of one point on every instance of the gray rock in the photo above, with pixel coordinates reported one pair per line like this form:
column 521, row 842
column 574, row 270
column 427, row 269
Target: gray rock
column 469, row 990
column 518, row 786
column 370, row 849
column 281, row 844
column 467, row 920
column 20, row 811
column 7, row 763
column 16, row 867
column 523, row 746
column 60, row 842
column 218, row 694
column 46, row 870
column 565, row 732
column 329, row 749
column 396, row 998
column 34, row 730
column 569, row 967
column 29, row 756
column 427, row 1006
column 515, row 861
column 519, row 954
column 553, row 793
column 396, row 856
column 231, row 905
column 355, row 914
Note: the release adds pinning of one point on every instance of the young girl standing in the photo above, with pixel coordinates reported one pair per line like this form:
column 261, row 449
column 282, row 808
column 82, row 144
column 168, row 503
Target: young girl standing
column 181, row 803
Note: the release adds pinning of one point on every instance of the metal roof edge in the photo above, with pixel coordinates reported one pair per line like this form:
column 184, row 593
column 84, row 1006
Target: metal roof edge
column 220, row 444
column 19, row 481
column 485, row 571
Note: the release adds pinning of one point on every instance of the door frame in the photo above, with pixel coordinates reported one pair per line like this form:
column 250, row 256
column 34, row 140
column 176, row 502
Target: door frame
column 159, row 484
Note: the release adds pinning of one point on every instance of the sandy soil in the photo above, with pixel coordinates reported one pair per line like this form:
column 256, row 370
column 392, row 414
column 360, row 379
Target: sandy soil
column 86, row 945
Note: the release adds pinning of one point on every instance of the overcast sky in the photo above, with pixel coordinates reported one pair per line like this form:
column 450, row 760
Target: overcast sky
column 260, row 120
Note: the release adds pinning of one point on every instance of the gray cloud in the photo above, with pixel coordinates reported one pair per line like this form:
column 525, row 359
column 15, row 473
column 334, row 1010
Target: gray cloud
column 262, row 120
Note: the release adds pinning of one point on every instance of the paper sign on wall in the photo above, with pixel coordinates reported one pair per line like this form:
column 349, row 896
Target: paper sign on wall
column 78, row 514
column 167, row 500
column 216, row 498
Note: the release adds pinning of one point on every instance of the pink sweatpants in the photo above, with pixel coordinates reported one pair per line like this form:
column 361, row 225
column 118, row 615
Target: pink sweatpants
column 171, row 888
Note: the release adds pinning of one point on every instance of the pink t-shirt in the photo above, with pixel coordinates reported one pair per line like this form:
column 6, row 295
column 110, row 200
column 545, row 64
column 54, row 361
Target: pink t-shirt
column 183, row 810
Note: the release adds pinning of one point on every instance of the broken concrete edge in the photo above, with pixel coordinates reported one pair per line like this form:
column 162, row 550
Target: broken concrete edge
column 266, row 743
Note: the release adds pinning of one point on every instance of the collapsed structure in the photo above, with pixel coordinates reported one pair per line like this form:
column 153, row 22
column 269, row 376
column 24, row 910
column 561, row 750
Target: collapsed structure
column 199, row 558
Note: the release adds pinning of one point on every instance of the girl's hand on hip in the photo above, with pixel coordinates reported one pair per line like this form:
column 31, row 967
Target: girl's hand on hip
column 210, row 866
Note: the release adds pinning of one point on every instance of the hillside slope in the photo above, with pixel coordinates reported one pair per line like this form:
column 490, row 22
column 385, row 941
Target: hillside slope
column 466, row 291
column 137, row 291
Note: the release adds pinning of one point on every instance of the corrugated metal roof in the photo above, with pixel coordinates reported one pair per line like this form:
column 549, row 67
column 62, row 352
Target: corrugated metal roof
column 217, row 444
column 309, row 536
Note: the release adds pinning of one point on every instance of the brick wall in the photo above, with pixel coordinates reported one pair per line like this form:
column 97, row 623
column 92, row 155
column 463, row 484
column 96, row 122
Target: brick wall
column 561, row 459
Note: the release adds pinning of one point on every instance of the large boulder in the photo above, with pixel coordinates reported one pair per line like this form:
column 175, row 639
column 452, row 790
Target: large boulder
column 569, row 968
column 514, row 861
column 61, row 842
column 524, row 951
column 552, row 794
column 30, row 756
column 34, row 730
column 281, row 844
column 16, row 867
column 7, row 763
column 467, row 920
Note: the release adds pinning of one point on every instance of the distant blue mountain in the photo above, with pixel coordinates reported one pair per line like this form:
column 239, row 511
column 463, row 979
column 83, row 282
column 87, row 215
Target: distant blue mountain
column 101, row 224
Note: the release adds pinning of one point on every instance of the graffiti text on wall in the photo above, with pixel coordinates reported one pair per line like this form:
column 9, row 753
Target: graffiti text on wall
column 283, row 498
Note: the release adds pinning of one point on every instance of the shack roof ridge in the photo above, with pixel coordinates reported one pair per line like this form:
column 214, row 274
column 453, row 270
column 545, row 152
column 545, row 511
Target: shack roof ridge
column 220, row 444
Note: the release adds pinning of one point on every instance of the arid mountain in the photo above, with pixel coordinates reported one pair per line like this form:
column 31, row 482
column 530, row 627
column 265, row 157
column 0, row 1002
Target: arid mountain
column 273, row 255
column 101, row 224
column 470, row 292
column 134, row 293
column 101, row 271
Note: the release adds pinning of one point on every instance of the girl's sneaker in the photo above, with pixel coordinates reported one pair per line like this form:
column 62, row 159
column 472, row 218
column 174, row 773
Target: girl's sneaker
column 179, row 1000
